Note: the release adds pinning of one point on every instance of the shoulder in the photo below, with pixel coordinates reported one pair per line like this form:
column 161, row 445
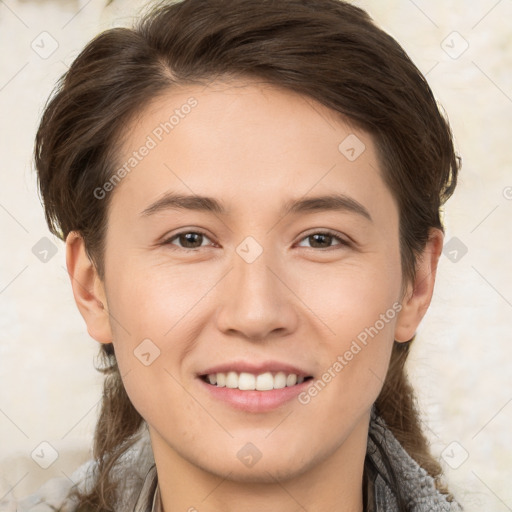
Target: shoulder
column 417, row 486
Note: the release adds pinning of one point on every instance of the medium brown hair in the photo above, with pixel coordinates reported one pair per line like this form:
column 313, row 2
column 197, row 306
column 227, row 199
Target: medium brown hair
column 327, row 50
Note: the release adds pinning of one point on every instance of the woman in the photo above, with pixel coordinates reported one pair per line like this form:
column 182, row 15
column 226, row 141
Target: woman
column 250, row 196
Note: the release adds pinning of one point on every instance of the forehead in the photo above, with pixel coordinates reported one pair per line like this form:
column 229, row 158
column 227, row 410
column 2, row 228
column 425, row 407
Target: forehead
column 248, row 143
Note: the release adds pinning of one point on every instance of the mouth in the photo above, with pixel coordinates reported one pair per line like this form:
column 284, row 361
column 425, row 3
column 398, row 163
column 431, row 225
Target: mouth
column 245, row 381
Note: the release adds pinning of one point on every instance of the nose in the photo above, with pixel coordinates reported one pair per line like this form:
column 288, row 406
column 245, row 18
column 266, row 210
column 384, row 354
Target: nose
column 257, row 302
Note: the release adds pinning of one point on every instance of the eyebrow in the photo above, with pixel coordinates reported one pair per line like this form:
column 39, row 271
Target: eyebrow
column 331, row 202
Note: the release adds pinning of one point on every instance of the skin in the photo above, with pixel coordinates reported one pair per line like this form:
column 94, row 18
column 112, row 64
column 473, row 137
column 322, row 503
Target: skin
column 253, row 147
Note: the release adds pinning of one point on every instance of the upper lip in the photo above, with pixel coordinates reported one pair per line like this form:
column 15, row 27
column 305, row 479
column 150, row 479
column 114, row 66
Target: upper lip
column 255, row 368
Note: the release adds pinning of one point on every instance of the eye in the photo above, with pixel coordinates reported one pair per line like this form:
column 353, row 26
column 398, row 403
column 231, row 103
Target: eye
column 194, row 240
column 323, row 239
column 188, row 239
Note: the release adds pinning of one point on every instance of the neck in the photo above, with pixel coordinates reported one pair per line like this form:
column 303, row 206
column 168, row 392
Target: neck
column 330, row 483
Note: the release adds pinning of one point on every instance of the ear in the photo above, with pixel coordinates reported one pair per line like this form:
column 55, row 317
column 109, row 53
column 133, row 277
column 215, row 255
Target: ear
column 88, row 289
column 418, row 295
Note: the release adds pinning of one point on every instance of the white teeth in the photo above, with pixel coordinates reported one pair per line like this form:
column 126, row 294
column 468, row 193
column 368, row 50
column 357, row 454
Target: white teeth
column 280, row 380
column 231, row 380
column 291, row 380
column 265, row 382
column 247, row 381
column 221, row 380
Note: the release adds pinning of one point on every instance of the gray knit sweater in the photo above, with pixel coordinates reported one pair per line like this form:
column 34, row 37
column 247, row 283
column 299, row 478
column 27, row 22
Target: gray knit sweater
column 138, row 491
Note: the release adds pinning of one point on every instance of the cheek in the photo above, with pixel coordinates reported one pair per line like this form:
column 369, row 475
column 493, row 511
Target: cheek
column 156, row 302
column 358, row 310
column 354, row 368
column 350, row 296
column 155, row 318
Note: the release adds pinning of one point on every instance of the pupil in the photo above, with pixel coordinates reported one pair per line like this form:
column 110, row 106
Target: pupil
column 189, row 237
column 322, row 237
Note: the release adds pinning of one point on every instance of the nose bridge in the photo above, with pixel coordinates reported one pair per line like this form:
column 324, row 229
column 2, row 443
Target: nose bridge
column 252, row 270
column 256, row 301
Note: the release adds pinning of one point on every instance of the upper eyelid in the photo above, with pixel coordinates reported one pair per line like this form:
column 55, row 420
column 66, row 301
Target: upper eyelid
column 343, row 241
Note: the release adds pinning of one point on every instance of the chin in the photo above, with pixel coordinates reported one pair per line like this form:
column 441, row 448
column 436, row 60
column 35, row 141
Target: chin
column 264, row 474
column 278, row 467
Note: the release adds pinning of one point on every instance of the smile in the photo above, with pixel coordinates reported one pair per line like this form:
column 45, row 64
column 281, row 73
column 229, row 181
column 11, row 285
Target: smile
column 245, row 381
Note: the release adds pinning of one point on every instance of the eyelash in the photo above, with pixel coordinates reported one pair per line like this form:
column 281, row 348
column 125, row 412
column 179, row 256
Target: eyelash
column 334, row 234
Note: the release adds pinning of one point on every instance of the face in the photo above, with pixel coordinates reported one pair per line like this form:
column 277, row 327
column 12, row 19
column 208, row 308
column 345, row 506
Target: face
column 262, row 278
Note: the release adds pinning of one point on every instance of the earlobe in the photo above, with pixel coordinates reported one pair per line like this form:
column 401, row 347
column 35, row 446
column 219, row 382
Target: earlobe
column 88, row 289
column 419, row 294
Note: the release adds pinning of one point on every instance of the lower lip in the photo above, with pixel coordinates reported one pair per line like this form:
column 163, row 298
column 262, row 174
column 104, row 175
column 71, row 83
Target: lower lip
column 255, row 401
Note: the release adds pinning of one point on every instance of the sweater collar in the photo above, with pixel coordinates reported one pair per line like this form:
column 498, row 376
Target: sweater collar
column 393, row 462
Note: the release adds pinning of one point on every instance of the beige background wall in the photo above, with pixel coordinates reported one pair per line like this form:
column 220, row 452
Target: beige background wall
column 461, row 363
